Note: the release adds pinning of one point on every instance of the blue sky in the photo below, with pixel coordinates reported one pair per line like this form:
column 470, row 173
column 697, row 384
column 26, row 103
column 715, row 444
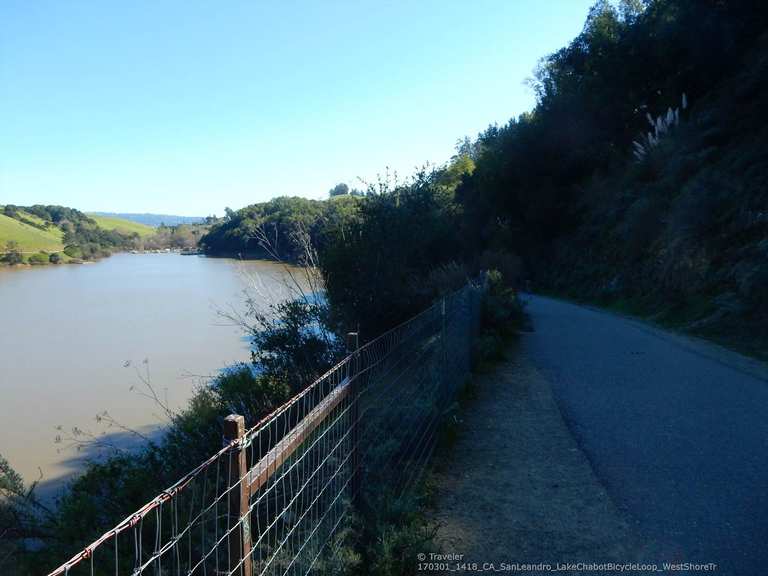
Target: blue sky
column 187, row 107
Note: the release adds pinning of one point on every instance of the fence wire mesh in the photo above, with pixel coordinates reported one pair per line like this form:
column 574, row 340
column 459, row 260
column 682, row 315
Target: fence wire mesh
column 278, row 497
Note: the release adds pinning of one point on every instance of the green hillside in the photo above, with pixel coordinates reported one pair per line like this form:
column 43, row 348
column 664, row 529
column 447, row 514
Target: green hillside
column 30, row 239
column 125, row 226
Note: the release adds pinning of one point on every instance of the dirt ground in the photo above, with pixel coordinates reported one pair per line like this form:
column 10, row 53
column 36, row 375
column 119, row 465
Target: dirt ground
column 518, row 489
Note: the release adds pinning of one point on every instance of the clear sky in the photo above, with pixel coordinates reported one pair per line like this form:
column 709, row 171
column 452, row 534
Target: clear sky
column 187, row 107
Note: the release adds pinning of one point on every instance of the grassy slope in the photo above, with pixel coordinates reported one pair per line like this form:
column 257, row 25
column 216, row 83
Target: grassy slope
column 30, row 239
column 126, row 226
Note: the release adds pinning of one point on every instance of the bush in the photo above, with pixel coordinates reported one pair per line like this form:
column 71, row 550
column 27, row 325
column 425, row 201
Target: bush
column 390, row 532
column 502, row 318
column 699, row 212
column 641, row 226
column 241, row 391
column 509, row 265
column 73, row 251
column 293, row 342
column 13, row 258
column 38, row 259
column 502, row 309
column 12, row 253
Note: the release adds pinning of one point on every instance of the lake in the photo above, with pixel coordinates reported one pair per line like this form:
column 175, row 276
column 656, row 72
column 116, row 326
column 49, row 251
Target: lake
column 74, row 339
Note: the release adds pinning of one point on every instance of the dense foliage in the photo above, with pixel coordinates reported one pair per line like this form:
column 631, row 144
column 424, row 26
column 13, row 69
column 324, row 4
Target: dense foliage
column 593, row 99
column 677, row 230
column 179, row 236
column 382, row 253
column 276, row 222
column 377, row 266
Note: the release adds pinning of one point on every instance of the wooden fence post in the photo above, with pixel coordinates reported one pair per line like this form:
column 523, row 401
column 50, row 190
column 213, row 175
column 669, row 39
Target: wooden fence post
column 239, row 500
column 353, row 345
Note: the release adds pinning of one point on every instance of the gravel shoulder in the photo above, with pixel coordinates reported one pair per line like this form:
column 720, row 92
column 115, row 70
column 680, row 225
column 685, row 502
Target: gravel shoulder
column 519, row 489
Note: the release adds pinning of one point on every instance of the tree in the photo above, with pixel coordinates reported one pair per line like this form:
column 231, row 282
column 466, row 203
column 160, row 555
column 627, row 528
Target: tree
column 340, row 189
column 375, row 258
column 183, row 237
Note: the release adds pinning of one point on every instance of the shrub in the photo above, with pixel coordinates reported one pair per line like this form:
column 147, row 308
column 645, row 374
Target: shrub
column 38, row 259
column 660, row 126
column 73, row 251
column 502, row 318
column 509, row 265
column 13, row 253
column 699, row 212
column 293, row 343
column 242, row 391
column 502, row 309
column 641, row 226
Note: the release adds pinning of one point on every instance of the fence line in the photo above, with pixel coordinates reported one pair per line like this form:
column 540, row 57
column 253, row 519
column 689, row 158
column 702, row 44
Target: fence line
column 278, row 497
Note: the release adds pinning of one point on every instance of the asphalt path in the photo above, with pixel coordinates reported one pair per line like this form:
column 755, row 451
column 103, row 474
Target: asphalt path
column 675, row 428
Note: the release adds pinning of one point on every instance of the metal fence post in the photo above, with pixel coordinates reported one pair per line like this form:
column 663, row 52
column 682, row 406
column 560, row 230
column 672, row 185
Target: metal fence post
column 239, row 496
column 353, row 345
column 444, row 338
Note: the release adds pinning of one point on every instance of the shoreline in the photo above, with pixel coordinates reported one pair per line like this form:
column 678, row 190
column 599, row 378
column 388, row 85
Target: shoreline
column 77, row 261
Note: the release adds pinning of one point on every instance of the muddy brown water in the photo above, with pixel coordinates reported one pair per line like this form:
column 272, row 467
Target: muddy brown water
column 73, row 337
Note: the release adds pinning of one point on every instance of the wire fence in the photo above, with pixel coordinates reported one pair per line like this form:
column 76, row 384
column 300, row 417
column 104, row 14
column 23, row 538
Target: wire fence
column 278, row 497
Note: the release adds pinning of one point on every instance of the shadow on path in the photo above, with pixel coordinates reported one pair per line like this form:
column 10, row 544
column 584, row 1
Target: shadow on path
column 519, row 489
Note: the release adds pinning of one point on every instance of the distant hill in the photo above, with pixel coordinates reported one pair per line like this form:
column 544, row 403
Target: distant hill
column 153, row 220
column 34, row 234
column 122, row 225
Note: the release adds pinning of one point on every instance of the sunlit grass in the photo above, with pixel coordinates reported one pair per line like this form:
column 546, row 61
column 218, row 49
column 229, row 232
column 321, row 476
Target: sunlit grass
column 125, row 226
column 30, row 239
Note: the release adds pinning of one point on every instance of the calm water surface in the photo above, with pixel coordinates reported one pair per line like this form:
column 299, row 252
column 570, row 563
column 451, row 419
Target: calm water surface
column 72, row 338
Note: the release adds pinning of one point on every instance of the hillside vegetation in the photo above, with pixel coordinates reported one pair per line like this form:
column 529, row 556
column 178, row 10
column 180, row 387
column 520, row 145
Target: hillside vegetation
column 682, row 233
column 269, row 229
column 122, row 225
column 639, row 180
column 54, row 234
column 29, row 238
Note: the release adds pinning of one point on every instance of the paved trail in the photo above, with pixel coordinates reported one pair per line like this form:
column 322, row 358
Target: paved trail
column 520, row 490
column 675, row 429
